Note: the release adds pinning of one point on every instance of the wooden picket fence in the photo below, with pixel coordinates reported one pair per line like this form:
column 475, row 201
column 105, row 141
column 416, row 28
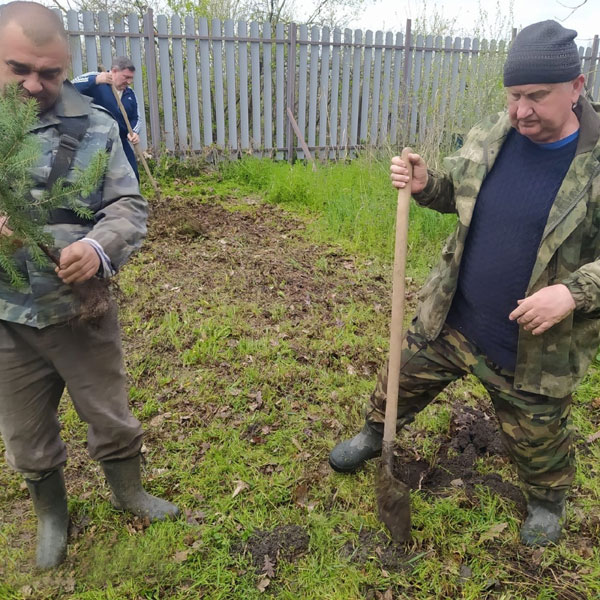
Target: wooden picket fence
column 288, row 92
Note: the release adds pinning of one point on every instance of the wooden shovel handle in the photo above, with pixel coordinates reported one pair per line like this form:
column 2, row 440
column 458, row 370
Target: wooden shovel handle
column 398, row 294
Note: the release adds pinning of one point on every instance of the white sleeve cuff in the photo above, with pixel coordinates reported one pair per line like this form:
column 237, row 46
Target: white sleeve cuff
column 107, row 268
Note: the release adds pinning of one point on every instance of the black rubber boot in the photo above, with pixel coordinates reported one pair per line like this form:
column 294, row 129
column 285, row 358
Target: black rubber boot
column 125, row 480
column 348, row 456
column 50, row 504
column 544, row 522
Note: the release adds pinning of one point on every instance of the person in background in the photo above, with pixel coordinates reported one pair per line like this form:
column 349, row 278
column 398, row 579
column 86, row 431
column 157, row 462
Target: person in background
column 97, row 85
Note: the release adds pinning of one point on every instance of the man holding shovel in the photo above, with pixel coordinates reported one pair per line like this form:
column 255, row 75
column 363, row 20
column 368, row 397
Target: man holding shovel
column 98, row 87
column 515, row 298
column 44, row 346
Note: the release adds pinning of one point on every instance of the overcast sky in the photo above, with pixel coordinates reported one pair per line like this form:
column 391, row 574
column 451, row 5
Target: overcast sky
column 391, row 15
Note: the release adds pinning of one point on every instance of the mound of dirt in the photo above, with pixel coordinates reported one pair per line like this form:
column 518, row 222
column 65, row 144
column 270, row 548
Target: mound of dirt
column 287, row 542
column 473, row 434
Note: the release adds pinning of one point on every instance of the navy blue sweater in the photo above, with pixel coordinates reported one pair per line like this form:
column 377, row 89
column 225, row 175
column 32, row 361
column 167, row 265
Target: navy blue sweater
column 102, row 95
column 501, row 247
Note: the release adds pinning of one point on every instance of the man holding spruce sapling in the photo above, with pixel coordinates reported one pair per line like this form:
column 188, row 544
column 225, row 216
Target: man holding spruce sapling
column 44, row 344
column 515, row 298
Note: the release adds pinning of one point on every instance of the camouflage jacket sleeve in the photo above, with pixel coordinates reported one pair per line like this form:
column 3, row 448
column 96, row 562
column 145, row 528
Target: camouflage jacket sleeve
column 584, row 285
column 120, row 223
column 438, row 194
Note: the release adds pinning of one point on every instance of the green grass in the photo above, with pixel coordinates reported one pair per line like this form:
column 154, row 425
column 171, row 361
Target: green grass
column 248, row 360
column 355, row 204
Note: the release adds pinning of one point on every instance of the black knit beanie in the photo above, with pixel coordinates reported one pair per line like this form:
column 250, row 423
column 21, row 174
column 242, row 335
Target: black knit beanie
column 542, row 53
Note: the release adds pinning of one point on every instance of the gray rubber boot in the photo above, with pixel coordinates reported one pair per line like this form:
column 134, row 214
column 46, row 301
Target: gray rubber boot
column 544, row 522
column 50, row 504
column 348, row 456
column 125, row 480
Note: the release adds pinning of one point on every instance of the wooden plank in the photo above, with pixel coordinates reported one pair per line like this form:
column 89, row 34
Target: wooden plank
column 406, row 77
column 356, row 61
column 291, row 90
column 165, row 81
column 280, row 88
column 324, row 91
column 152, row 79
column 344, row 113
column 91, row 51
column 415, row 91
column 454, row 82
column 133, row 25
column 465, row 65
column 75, row 43
column 385, row 100
column 205, row 83
column 179, row 75
column 255, row 69
column 313, row 87
column 267, row 86
column 302, row 81
column 120, row 42
column 105, row 41
column 366, row 87
column 426, row 86
column 243, row 67
column 217, row 50
column 230, row 77
column 593, row 76
column 376, row 93
column 192, row 77
column 335, row 91
column 436, row 93
column 398, row 62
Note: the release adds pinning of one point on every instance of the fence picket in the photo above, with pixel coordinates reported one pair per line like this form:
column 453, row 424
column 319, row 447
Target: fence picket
column 267, row 87
column 230, row 78
column 205, row 82
column 376, row 87
column 192, row 73
column 366, row 88
column 280, row 89
column 313, row 88
column 165, row 81
column 255, row 58
column 133, row 25
column 324, row 95
column 179, row 76
column 243, row 66
column 217, row 47
column 335, row 91
column 75, row 43
column 105, row 45
column 345, row 89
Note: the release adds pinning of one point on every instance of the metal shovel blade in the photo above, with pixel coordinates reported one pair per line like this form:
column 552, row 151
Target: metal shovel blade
column 393, row 502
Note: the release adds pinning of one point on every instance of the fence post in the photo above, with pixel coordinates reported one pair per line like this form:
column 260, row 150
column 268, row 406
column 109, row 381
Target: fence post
column 594, row 65
column 291, row 91
column 152, row 80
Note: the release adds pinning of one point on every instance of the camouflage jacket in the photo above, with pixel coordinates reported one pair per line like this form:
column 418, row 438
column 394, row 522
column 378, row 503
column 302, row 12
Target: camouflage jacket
column 119, row 223
column 555, row 362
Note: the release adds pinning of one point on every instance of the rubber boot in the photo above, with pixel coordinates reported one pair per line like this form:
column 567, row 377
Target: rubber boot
column 50, row 504
column 348, row 456
column 125, row 480
column 544, row 522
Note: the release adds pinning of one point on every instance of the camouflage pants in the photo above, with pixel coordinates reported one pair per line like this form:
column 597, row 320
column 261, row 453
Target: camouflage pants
column 536, row 429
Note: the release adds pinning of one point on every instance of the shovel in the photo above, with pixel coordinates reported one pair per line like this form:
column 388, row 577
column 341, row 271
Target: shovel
column 136, row 148
column 393, row 496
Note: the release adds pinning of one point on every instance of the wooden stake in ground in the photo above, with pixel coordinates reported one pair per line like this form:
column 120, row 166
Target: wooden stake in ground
column 136, row 147
column 393, row 496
